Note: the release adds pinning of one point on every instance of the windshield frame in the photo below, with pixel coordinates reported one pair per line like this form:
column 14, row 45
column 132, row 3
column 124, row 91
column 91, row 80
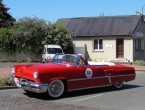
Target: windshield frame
column 73, row 61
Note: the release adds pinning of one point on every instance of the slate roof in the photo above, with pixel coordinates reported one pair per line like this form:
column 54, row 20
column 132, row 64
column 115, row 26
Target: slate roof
column 101, row 26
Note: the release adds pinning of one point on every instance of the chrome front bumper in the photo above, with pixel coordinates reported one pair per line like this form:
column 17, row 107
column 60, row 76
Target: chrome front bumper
column 31, row 86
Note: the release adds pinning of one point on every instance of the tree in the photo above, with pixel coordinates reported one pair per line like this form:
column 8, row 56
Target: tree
column 7, row 44
column 6, row 20
column 57, row 34
column 28, row 34
column 31, row 32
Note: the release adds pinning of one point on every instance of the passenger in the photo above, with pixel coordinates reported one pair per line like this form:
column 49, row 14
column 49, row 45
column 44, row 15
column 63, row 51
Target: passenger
column 83, row 61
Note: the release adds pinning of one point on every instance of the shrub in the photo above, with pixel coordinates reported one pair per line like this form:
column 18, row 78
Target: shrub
column 28, row 34
column 5, row 81
column 139, row 62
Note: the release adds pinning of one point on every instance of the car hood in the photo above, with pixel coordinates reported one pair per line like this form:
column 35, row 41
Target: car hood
column 26, row 71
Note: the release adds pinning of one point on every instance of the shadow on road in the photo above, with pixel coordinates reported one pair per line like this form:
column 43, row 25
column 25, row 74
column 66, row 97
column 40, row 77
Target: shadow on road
column 82, row 92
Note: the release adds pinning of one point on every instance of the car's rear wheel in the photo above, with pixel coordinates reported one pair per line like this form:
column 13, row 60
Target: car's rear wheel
column 118, row 85
column 56, row 88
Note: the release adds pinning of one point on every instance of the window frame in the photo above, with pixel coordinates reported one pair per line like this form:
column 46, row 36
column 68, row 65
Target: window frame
column 99, row 44
column 139, row 44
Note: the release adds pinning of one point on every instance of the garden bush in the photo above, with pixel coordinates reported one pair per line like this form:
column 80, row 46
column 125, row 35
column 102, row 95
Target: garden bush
column 139, row 62
column 5, row 81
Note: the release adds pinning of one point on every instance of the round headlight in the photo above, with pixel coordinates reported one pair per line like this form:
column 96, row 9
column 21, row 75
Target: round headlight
column 35, row 74
column 13, row 70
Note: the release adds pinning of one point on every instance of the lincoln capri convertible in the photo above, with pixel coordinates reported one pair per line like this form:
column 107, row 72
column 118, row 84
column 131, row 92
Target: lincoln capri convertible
column 67, row 72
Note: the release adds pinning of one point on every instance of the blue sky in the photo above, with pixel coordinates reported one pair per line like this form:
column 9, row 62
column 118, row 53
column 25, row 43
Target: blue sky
column 51, row 10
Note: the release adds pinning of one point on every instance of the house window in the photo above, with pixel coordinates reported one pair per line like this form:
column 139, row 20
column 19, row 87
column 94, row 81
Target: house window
column 98, row 44
column 139, row 45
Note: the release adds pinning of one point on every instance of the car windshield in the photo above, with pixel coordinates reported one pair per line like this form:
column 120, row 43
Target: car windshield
column 61, row 58
column 54, row 50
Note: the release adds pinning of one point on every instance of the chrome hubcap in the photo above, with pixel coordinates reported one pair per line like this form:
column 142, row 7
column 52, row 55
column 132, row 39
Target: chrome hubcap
column 55, row 88
column 118, row 84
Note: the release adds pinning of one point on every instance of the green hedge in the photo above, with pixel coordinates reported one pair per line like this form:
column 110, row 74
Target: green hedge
column 28, row 34
column 5, row 81
column 139, row 62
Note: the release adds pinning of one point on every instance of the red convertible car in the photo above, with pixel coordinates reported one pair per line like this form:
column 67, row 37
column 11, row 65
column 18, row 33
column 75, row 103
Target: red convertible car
column 66, row 72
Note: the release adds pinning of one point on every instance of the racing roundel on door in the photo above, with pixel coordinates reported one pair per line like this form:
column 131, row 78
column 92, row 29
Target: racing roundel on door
column 88, row 73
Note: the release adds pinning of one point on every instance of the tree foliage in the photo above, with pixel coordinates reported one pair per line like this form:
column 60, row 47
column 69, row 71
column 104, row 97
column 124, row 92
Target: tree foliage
column 60, row 36
column 7, row 39
column 28, row 34
column 6, row 20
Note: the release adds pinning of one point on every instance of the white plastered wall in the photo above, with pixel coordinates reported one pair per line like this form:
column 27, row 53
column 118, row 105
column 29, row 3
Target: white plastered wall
column 109, row 47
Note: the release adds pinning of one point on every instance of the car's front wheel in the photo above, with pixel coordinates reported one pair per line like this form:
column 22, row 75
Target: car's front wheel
column 118, row 85
column 56, row 88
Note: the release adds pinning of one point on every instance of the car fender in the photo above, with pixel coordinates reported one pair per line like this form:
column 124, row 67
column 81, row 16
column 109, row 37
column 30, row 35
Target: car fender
column 57, row 78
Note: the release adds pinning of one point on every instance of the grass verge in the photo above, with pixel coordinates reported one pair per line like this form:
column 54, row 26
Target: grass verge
column 5, row 81
column 140, row 62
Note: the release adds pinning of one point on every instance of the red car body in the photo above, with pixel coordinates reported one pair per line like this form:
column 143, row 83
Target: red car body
column 52, row 77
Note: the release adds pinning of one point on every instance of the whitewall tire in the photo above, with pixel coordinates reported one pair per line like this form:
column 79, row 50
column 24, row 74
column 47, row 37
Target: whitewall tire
column 118, row 85
column 56, row 88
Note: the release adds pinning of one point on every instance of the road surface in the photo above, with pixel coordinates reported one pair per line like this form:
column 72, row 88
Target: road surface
column 131, row 97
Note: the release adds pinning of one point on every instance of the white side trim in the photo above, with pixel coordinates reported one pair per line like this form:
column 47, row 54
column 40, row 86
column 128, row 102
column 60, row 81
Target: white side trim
column 81, row 79
column 123, row 75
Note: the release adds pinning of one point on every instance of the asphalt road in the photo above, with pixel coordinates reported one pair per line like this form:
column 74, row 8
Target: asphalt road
column 131, row 97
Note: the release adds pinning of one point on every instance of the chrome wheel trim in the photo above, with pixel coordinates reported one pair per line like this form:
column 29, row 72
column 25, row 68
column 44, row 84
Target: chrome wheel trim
column 56, row 88
column 118, row 85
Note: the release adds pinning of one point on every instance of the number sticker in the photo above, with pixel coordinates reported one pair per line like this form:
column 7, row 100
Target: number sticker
column 88, row 73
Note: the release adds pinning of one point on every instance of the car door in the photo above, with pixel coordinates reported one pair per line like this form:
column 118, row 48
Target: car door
column 88, row 76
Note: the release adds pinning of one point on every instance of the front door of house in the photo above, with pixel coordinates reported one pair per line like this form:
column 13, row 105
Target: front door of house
column 119, row 48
